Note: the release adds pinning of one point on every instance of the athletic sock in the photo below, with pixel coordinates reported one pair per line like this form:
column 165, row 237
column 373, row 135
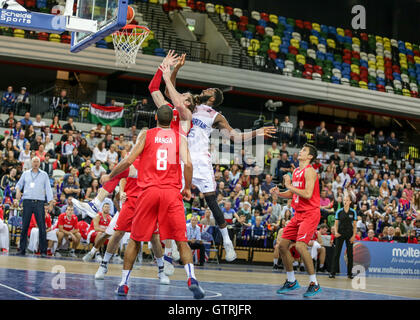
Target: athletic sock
column 159, row 262
column 93, row 251
column 168, row 252
column 291, row 276
column 321, row 266
column 125, row 276
column 312, row 278
column 275, row 261
column 225, row 236
column 189, row 269
column 107, row 257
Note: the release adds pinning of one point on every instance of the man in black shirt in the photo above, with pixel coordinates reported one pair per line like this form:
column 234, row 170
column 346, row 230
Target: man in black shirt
column 335, row 157
column 283, row 166
column 345, row 226
column 69, row 125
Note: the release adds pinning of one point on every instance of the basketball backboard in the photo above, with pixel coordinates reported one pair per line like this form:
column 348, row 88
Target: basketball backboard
column 110, row 15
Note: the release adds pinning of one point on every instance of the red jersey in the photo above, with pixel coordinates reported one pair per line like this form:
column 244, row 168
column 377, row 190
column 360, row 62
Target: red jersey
column 301, row 204
column 68, row 224
column 33, row 224
column 102, row 222
column 131, row 188
column 83, row 227
column 160, row 160
column 374, row 239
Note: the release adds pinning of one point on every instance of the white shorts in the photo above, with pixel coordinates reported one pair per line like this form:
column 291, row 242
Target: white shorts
column 314, row 250
column 203, row 175
column 110, row 229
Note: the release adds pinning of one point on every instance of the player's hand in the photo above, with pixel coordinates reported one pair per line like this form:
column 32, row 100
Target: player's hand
column 186, row 193
column 104, row 179
column 181, row 61
column 267, row 131
column 275, row 190
column 166, row 70
column 352, row 239
column 171, row 59
column 337, row 235
column 287, row 181
column 123, row 196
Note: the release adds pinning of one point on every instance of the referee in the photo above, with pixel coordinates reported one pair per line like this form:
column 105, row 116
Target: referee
column 345, row 226
column 36, row 187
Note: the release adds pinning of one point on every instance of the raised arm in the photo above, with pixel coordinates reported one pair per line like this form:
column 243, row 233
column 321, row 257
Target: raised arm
column 222, row 124
column 188, row 168
column 176, row 98
column 174, row 73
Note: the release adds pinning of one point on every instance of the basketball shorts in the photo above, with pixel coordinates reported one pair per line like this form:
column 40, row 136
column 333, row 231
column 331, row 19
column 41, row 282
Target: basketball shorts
column 154, row 206
column 110, row 229
column 203, row 175
column 92, row 237
column 302, row 226
column 126, row 215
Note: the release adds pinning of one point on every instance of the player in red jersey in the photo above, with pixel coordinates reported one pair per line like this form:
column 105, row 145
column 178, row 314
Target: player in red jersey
column 67, row 227
column 99, row 224
column 304, row 189
column 159, row 202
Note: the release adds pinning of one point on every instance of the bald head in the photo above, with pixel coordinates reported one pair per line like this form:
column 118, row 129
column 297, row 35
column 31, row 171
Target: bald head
column 164, row 115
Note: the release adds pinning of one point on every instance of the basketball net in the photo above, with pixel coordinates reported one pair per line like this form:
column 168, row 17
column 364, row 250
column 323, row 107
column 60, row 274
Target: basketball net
column 127, row 42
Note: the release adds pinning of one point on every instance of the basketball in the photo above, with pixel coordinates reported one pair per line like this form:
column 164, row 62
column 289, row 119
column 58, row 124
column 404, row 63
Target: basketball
column 361, row 255
column 130, row 14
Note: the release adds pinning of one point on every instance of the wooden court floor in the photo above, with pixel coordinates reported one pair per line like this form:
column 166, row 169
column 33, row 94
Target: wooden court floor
column 32, row 276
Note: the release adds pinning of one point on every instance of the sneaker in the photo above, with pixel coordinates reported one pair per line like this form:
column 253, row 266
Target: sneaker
column 117, row 259
column 122, row 290
column 4, row 250
column 49, row 252
column 72, row 254
column 312, row 290
column 195, row 288
column 85, row 208
column 168, row 267
column 175, row 253
column 331, row 276
column 88, row 256
column 288, row 286
column 275, row 267
column 102, row 271
column 57, row 254
column 230, row 252
column 163, row 278
column 98, row 258
column 302, row 268
column 350, row 276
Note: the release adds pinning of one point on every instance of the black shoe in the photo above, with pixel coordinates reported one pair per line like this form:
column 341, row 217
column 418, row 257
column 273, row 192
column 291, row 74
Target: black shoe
column 350, row 276
column 275, row 267
column 302, row 268
column 21, row 253
column 331, row 276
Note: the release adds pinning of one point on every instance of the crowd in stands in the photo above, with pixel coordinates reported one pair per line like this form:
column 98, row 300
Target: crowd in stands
column 385, row 189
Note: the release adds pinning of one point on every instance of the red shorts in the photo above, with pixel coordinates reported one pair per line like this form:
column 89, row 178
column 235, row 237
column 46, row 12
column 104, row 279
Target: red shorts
column 157, row 205
column 302, row 226
column 126, row 216
column 93, row 237
column 294, row 252
column 113, row 183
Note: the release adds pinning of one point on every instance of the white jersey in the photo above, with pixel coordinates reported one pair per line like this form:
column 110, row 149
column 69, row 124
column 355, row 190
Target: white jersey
column 198, row 144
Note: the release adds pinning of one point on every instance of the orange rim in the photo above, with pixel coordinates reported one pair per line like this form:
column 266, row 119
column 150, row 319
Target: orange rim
column 131, row 27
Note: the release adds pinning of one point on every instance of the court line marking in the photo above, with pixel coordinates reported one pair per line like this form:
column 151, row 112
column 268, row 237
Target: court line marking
column 20, row 292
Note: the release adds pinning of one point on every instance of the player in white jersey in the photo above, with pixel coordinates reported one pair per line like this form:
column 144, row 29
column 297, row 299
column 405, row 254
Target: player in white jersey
column 204, row 119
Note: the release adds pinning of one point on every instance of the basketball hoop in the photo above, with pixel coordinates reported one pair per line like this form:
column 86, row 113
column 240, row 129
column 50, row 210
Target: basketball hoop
column 127, row 42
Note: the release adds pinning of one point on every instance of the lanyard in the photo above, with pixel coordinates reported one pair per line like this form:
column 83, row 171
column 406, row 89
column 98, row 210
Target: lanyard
column 36, row 176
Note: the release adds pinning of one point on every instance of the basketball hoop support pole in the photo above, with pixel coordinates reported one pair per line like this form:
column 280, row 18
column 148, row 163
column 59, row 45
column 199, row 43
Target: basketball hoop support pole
column 43, row 22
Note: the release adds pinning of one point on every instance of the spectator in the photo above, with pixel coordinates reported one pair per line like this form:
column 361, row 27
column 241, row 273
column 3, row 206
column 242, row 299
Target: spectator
column 40, row 153
column 84, row 151
column 74, row 160
column 100, row 153
column 49, row 146
column 20, row 142
column 98, row 130
column 108, row 141
column 92, row 190
column 240, row 226
column 321, row 136
column 335, row 157
column 8, row 100
column 268, row 184
column 10, row 122
column 9, row 182
column 55, row 126
column 283, row 166
column 38, row 124
column 85, row 179
column 351, row 140
column 381, row 144
column 286, row 130
column 412, row 237
column 326, row 206
column 69, row 125
column 194, row 238
column 36, row 143
column 26, row 121
column 60, row 104
column 274, row 151
column 345, row 178
column 68, row 230
column 352, row 159
column 394, row 146
column 47, row 166
column 371, row 237
column 258, row 233
column 228, row 212
column 208, row 220
column 294, row 161
column 98, row 170
column 399, row 224
column 22, row 101
column 370, row 144
column 299, row 136
column 11, row 161
column 67, row 149
column 323, row 158
column 339, row 138
column 25, row 154
column 70, row 188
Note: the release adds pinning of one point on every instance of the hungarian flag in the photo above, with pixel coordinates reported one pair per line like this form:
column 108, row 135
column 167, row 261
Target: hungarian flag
column 106, row 115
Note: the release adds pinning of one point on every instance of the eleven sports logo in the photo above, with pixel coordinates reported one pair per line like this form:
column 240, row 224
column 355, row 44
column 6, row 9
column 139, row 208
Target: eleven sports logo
column 15, row 16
